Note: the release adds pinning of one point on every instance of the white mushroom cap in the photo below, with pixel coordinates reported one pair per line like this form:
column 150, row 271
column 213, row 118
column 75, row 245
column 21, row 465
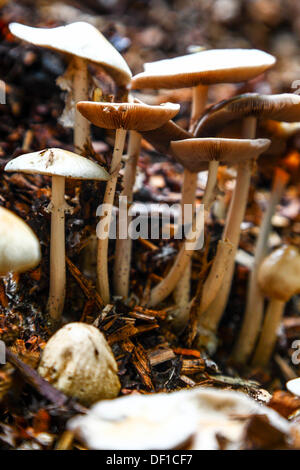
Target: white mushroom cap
column 78, row 361
column 57, row 162
column 79, row 39
column 19, row 246
column 206, row 67
column 293, row 386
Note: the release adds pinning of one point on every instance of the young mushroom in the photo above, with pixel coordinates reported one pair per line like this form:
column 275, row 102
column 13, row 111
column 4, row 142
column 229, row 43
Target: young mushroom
column 19, row 247
column 82, row 43
column 192, row 153
column 59, row 164
column 199, row 70
column 279, row 279
column 78, row 361
column 121, row 117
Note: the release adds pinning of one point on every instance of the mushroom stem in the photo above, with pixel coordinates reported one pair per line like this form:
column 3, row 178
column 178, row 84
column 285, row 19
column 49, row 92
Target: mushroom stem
column 188, row 196
column 57, row 249
column 167, row 285
column 255, row 299
column 80, row 91
column 268, row 335
column 232, row 228
column 123, row 246
column 102, row 258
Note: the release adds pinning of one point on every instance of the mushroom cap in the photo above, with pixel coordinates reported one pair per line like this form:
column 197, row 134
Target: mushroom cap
column 79, row 39
column 279, row 273
column 206, row 67
column 131, row 116
column 78, row 361
column 191, row 153
column 293, row 386
column 19, row 246
column 283, row 107
column 58, row 162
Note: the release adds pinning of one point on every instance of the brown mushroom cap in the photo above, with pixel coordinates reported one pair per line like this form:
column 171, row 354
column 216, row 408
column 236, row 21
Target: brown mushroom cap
column 191, row 153
column 205, row 67
column 130, row 116
column 283, row 107
column 19, row 246
column 79, row 39
column 279, row 273
column 58, row 162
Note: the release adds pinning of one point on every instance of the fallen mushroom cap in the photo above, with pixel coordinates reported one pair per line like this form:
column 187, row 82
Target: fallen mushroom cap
column 58, row 162
column 284, row 107
column 279, row 273
column 190, row 419
column 205, row 67
column 293, row 386
column 131, row 116
column 19, row 246
column 78, row 361
column 79, row 39
column 191, row 153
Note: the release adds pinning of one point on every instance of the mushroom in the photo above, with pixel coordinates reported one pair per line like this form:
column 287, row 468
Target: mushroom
column 199, row 70
column 19, row 247
column 279, row 279
column 78, row 361
column 121, row 117
column 82, row 43
column 189, row 152
column 59, row 164
column 123, row 245
column 248, row 107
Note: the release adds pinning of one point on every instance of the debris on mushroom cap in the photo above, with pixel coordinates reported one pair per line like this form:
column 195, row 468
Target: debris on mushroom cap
column 184, row 419
column 192, row 152
column 205, row 67
column 78, row 361
column 79, row 39
column 58, row 162
column 19, row 246
column 279, row 273
column 293, row 386
column 283, row 107
column 131, row 116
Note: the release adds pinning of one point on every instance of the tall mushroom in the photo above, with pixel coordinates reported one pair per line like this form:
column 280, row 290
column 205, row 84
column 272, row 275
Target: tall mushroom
column 248, row 108
column 59, row 164
column 82, row 43
column 199, row 70
column 279, row 279
column 192, row 153
column 121, row 117
column 19, row 246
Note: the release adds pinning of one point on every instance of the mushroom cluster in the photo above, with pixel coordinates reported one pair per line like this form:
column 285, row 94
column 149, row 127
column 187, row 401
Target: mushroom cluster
column 77, row 359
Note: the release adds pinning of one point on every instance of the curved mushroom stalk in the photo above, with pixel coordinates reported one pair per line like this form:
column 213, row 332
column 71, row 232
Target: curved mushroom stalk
column 255, row 299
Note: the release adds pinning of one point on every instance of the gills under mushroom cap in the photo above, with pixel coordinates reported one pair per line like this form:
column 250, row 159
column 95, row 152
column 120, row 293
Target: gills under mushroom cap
column 57, row 162
column 19, row 246
column 130, row 116
column 206, row 67
column 283, row 107
column 191, row 153
column 79, row 39
column 279, row 273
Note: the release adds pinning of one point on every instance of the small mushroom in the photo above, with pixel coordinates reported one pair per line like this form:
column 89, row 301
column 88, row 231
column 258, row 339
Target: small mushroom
column 279, row 279
column 78, row 361
column 19, row 247
column 121, row 117
column 59, row 164
column 193, row 150
column 82, row 43
column 199, row 70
